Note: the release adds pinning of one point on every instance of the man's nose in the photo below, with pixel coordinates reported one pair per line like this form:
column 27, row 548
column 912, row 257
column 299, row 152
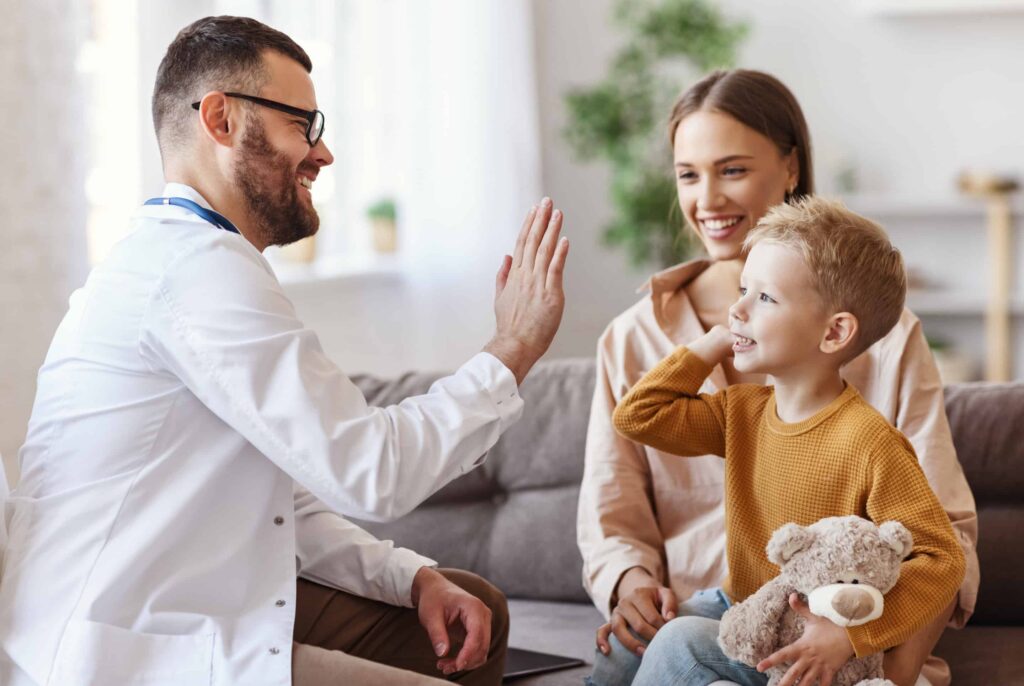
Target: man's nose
column 320, row 154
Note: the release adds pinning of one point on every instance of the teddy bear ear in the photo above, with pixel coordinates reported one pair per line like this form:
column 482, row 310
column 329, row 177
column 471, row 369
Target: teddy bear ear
column 897, row 537
column 787, row 541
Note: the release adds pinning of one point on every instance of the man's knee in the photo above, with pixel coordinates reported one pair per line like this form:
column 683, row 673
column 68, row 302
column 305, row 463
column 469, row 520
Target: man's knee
column 487, row 592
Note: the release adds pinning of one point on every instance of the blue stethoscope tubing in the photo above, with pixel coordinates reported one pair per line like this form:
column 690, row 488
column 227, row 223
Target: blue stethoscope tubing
column 218, row 220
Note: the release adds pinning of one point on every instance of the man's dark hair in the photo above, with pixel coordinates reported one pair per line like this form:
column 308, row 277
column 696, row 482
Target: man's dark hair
column 214, row 53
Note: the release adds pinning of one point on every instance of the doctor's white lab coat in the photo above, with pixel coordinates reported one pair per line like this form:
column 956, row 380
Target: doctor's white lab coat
column 188, row 447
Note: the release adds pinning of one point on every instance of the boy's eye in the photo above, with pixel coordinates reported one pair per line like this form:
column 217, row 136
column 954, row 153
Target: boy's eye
column 765, row 298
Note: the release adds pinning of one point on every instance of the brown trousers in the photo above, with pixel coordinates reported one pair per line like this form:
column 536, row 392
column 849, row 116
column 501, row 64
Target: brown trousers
column 344, row 639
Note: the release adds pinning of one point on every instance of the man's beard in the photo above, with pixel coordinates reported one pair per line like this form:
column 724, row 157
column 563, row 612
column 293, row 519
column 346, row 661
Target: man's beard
column 269, row 184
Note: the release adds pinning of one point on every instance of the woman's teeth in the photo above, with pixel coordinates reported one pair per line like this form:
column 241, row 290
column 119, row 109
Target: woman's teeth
column 719, row 224
column 305, row 183
column 742, row 341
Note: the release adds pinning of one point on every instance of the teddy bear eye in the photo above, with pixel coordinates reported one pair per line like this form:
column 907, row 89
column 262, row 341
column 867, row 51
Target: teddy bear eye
column 855, row 581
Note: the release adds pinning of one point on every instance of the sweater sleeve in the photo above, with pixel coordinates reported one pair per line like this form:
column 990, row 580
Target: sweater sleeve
column 666, row 411
column 934, row 570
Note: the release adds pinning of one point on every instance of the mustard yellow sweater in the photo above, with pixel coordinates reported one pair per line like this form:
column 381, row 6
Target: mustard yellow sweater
column 845, row 460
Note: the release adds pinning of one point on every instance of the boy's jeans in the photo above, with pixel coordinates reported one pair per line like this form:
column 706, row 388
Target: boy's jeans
column 685, row 652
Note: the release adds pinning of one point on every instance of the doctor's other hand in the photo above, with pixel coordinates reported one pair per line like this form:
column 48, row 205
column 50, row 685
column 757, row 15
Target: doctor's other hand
column 451, row 615
column 529, row 299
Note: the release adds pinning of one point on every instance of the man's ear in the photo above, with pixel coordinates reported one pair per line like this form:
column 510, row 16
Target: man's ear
column 842, row 329
column 218, row 118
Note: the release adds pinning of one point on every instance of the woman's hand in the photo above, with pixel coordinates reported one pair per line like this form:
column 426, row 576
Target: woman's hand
column 644, row 609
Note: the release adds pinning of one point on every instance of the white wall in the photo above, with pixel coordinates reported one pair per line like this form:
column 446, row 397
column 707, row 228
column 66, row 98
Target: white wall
column 908, row 101
column 41, row 196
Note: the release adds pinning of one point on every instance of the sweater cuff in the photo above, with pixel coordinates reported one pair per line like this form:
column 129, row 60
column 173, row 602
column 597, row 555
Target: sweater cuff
column 690, row 369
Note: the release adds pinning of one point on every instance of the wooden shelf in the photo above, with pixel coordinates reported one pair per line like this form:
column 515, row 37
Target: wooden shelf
column 954, row 304
column 938, row 8
column 952, row 206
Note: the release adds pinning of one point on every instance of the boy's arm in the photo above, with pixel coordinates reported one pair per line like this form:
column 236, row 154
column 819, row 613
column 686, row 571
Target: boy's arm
column 931, row 575
column 665, row 410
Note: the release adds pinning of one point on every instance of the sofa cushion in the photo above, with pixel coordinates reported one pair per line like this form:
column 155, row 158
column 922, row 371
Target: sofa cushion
column 513, row 520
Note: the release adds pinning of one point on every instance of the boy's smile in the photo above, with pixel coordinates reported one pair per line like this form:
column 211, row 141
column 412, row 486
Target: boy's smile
column 780, row 319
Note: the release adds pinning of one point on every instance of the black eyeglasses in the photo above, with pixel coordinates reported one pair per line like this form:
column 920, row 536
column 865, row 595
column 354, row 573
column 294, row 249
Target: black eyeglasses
column 314, row 118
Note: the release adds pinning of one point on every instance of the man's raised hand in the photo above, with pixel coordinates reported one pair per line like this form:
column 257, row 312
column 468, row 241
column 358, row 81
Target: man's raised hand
column 529, row 298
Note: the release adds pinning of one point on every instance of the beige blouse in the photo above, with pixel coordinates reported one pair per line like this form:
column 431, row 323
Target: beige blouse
column 641, row 507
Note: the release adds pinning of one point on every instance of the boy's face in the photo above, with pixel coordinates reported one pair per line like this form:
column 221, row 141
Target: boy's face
column 780, row 319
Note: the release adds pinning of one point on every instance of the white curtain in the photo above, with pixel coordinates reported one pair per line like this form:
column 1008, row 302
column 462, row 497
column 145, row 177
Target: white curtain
column 42, row 201
column 442, row 114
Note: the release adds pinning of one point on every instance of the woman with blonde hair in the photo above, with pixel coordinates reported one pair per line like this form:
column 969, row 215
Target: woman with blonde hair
column 651, row 525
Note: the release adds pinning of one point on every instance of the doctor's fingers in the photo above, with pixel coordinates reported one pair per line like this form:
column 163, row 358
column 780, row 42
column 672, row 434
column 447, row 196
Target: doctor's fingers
column 541, row 224
column 524, row 231
column 477, row 622
column 557, row 266
column 547, row 245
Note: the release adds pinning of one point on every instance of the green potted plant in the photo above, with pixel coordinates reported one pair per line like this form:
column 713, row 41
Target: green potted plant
column 621, row 120
column 383, row 218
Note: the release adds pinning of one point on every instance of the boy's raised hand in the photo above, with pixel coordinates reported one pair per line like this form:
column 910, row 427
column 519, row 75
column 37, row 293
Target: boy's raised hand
column 714, row 346
column 817, row 655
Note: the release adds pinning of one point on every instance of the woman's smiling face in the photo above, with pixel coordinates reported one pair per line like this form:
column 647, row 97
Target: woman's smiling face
column 727, row 177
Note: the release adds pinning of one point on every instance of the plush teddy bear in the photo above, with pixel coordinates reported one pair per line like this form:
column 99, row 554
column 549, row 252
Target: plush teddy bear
column 843, row 566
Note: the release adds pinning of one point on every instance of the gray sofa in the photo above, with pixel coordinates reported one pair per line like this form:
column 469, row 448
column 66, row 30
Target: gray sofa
column 513, row 520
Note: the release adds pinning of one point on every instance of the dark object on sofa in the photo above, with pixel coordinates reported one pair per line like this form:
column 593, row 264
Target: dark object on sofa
column 513, row 520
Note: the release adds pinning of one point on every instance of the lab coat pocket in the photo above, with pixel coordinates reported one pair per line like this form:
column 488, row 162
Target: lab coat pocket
column 95, row 654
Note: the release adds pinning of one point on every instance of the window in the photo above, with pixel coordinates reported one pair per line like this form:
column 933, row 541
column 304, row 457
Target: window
column 122, row 145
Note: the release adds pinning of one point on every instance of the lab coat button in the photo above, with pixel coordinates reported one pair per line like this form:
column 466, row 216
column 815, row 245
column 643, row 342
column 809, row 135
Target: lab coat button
column 275, row 651
column 279, row 603
column 279, row 520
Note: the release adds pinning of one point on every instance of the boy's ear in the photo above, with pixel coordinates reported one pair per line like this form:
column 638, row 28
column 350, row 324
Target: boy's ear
column 842, row 329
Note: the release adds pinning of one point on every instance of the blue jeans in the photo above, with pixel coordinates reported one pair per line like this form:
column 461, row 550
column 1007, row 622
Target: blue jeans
column 685, row 652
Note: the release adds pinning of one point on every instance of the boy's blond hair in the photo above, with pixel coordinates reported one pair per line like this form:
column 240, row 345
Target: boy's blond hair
column 854, row 266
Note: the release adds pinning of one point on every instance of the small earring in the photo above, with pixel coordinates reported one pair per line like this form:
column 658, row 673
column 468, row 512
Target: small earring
column 792, row 187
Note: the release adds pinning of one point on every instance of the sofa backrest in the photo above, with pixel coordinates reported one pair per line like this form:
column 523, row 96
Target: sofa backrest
column 988, row 430
column 513, row 520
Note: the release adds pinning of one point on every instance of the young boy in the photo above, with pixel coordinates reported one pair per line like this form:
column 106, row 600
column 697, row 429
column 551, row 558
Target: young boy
column 819, row 286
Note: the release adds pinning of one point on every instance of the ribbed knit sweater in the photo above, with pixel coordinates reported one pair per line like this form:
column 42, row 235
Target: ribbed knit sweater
column 844, row 460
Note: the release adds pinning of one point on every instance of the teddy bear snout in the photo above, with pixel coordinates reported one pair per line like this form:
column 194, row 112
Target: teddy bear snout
column 846, row 604
column 853, row 603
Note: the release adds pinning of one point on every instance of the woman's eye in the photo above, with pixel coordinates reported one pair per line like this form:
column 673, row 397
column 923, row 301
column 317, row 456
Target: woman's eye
column 687, row 176
column 734, row 171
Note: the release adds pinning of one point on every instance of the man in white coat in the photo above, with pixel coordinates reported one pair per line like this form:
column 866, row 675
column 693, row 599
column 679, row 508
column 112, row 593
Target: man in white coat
column 191, row 446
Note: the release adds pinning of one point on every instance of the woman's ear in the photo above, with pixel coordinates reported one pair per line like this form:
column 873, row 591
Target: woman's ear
column 216, row 117
column 793, row 170
column 842, row 329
